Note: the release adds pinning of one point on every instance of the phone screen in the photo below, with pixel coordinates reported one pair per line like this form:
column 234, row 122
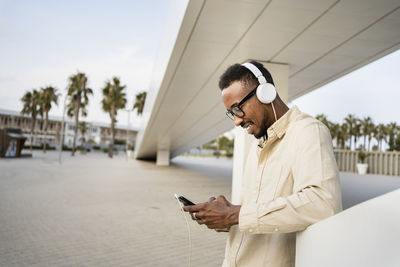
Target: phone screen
column 185, row 201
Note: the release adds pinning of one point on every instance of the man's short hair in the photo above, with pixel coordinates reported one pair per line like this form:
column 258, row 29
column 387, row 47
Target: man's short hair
column 237, row 72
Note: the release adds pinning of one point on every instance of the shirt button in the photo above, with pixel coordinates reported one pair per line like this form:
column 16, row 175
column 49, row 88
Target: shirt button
column 250, row 230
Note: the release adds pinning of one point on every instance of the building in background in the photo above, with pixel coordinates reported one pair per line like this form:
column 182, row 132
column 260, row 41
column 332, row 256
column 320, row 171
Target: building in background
column 95, row 134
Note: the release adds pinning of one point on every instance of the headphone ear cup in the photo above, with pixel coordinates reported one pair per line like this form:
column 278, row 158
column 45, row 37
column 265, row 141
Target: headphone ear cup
column 266, row 93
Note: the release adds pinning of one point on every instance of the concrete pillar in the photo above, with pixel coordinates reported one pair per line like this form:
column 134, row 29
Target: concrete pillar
column 162, row 157
column 280, row 74
column 242, row 145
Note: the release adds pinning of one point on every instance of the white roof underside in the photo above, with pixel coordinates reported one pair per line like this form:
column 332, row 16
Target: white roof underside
column 320, row 40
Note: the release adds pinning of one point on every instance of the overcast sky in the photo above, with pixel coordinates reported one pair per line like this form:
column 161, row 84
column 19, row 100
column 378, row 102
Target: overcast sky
column 373, row 90
column 44, row 42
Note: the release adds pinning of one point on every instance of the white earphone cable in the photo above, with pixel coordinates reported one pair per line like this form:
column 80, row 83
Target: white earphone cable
column 273, row 109
column 188, row 228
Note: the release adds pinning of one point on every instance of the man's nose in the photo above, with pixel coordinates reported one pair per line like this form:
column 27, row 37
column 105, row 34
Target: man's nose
column 238, row 121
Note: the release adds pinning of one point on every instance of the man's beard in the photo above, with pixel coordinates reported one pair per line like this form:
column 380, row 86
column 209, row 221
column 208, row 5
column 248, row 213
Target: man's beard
column 263, row 130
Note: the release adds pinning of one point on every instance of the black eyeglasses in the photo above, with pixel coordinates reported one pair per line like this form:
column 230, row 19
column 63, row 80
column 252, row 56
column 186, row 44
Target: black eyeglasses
column 235, row 108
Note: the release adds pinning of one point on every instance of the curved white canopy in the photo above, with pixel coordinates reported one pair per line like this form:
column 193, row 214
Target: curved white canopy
column 320, row 41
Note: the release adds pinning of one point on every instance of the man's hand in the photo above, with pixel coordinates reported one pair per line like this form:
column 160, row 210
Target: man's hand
column 216, row 213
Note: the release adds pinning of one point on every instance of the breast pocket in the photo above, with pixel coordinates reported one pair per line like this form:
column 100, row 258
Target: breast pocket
column 276, row 182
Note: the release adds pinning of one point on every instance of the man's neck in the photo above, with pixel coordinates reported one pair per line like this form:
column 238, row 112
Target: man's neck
column 280, row 109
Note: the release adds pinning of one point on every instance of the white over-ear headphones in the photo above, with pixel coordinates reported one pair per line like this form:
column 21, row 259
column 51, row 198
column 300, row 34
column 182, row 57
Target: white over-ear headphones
column 266, row 92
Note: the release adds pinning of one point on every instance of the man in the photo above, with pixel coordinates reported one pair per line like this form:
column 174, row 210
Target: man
column 290, row 179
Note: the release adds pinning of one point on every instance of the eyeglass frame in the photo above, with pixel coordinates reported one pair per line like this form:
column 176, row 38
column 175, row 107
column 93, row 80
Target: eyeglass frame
column 231, row 114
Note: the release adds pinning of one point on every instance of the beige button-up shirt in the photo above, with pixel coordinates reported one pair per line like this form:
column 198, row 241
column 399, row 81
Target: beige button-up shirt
column 290, row 182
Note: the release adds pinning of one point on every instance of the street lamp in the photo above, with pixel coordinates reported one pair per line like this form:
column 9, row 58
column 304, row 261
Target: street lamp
column 127, row 132
column 62, row 129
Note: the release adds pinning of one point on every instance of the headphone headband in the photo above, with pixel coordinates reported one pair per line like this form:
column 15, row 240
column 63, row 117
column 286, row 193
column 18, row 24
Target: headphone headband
column 260, row 77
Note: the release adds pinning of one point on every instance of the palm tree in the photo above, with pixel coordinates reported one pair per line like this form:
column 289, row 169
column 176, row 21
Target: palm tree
column 397, row 140
column 31, row 106
column 380, row 134
column 48, row 95
column 356, row 132
column 367, row 129
column 139, row 102
column 335, row 132
column 392, row 131
column 114, row 98
column 82, row 130
column 344, row 135
column 78, row 94
column 351, row 121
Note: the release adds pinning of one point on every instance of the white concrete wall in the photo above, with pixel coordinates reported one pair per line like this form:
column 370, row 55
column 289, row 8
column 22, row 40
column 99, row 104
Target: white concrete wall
column 241, row 149
column 366, row 235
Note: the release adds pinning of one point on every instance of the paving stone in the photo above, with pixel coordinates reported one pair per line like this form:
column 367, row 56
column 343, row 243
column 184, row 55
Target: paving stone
column 96, row 211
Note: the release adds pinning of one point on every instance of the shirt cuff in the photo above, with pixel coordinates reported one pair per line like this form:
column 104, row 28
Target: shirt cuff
column 248, row 218
column 250, row 214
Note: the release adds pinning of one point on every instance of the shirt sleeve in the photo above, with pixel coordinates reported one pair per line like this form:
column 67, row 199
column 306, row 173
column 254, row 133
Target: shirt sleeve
column 316, row 190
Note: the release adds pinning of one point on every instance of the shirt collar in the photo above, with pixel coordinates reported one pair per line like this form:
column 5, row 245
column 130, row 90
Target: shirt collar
column 262, row 142
column 278, row 129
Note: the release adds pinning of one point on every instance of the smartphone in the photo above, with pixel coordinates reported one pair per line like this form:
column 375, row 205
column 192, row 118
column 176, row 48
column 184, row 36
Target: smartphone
column 184, row 201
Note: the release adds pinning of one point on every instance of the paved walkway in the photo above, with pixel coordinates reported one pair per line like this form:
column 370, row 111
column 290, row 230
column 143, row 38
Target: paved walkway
column 95, row 211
